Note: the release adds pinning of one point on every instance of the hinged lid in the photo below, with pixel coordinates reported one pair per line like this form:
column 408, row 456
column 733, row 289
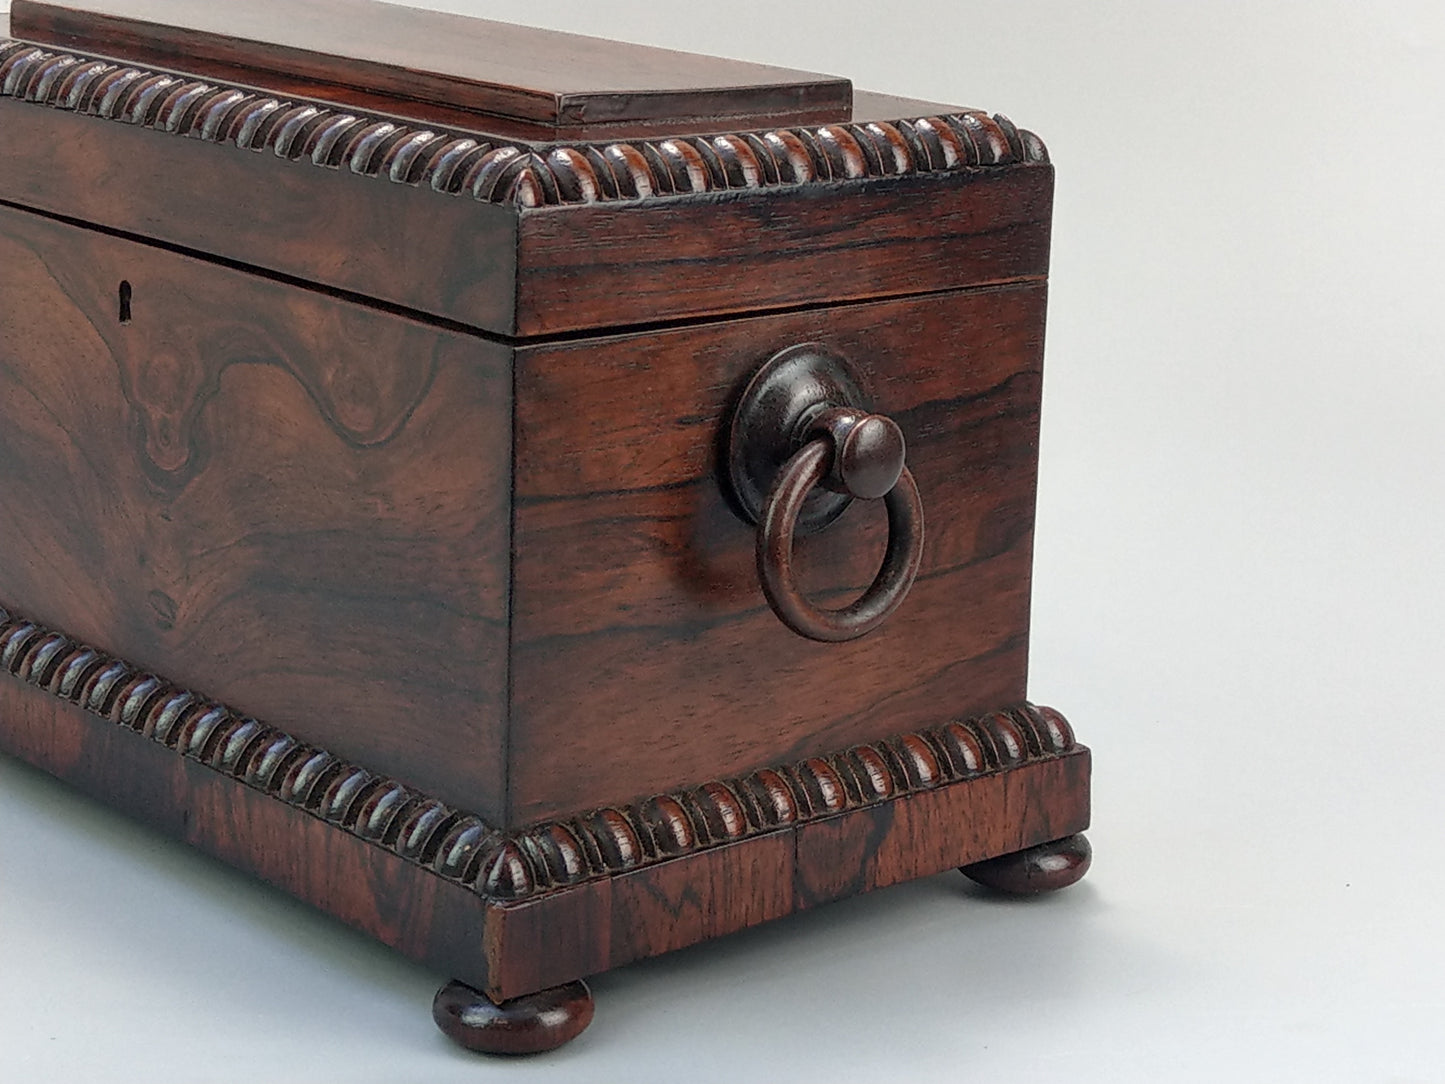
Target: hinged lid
column 436, row 66
column 509, row 227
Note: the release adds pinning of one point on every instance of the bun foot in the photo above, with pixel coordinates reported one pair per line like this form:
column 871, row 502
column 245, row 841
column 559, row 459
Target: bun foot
column 525, row 1025
column 1044, row 868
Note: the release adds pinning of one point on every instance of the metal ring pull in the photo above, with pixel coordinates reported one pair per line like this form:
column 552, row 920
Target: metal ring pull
column 861, row 455
column 800, row 446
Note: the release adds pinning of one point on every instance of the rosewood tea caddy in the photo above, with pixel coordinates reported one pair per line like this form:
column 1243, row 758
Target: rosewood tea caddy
column 543, row 501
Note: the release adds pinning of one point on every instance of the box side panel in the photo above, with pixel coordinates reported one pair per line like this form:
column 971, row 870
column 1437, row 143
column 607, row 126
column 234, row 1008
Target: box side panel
column 644, row 654
column 293, row 503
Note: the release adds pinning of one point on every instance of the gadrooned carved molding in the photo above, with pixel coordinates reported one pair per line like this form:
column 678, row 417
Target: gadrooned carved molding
column 511, row 866
column 496, row 171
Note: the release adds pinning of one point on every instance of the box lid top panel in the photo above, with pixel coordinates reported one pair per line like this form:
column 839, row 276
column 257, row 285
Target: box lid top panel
column 439, row 67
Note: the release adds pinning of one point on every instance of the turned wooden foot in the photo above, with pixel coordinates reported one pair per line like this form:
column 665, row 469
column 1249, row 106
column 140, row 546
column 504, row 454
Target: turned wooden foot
column 1037, row 869
column 525, row 1025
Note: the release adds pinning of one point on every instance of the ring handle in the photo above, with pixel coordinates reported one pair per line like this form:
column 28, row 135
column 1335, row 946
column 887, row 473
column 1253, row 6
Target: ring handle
column 861, row 455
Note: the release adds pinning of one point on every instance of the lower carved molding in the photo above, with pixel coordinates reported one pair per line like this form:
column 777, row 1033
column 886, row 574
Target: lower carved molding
column 508, row 866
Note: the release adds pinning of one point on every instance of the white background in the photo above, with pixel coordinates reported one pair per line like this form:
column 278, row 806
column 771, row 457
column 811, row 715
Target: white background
column 1238, row 602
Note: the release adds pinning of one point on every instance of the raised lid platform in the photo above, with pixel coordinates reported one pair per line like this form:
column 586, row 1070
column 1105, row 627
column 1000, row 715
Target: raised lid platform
column 437, row 66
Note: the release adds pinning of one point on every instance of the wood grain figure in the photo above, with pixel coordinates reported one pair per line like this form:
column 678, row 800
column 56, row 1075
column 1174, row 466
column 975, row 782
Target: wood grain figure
column 371, row 385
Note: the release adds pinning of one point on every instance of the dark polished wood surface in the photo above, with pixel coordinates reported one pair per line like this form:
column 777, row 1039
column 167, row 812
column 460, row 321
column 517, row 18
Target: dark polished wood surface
column 406, row 442
column 530, row 1024
column 512, row 949
column 546, row 857
column 867, row 106
column 636, row 263
column 418, row 60
column 604, row 924
column 520, row 241
column 297, row 503
column 371, row 889
column 340, row 569
column 637, row 613
column 1046, row 867
column 448, row 258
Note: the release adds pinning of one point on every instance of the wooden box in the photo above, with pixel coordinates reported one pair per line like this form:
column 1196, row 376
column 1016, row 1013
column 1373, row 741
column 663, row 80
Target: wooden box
column 437, row 459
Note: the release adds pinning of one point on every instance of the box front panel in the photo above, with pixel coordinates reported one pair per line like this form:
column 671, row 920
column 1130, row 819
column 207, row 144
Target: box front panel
column 287, row 502
column 644, row 654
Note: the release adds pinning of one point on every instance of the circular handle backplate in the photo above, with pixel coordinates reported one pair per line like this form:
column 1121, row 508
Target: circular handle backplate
column 770, row 422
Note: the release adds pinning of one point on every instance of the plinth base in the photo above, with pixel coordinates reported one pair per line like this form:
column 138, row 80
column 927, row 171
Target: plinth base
column 514, row 913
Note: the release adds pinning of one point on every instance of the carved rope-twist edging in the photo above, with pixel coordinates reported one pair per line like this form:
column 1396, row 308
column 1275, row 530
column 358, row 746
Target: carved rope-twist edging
column 464, row 849
column 499, row 172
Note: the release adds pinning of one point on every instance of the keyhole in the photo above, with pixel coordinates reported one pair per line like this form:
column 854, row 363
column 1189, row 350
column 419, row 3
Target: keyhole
column 125, row 302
